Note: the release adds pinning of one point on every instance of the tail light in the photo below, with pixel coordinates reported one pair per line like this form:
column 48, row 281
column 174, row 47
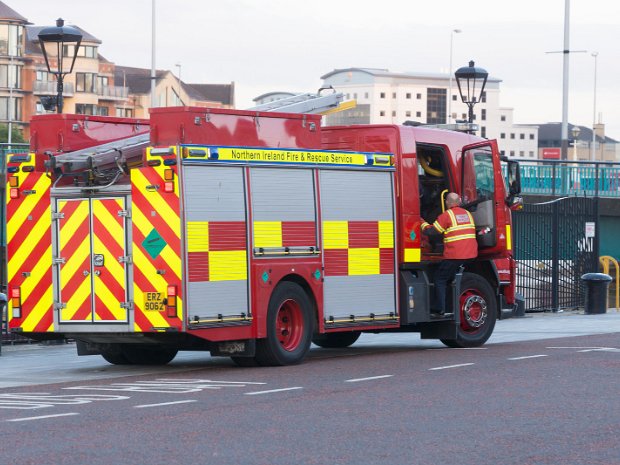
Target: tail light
column 171, row 302
column 16, row 302
column 169, row 180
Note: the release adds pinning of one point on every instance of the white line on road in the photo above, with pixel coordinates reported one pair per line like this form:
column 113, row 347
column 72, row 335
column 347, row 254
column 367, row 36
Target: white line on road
column 451, row 366
column 370, row 378
column 255, row 393
column 165, row 403
column 44, row 417
column 527, row 356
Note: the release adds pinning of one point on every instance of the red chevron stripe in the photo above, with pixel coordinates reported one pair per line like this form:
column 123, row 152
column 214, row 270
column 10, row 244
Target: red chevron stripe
column 40, row 209
column 158, row 262
column 37, row 251
column 153, row 177
column 159, row 223
column 45, row 322
column 102, row 311
column 73, row 283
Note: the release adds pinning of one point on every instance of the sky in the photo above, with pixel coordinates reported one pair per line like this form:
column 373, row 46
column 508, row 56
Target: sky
column 287, row 45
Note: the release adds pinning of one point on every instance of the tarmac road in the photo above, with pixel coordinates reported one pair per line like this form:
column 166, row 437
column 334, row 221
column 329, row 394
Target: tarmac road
column 544, row 391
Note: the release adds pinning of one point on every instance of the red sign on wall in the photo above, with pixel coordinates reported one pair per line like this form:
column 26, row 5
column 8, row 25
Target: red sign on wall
column 551, row 153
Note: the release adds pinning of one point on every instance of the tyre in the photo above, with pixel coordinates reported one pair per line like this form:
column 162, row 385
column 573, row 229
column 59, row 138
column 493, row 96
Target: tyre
column 289, row 327
column 114, row 355
column 336, row 340
column 478, row 307
column 138, row 354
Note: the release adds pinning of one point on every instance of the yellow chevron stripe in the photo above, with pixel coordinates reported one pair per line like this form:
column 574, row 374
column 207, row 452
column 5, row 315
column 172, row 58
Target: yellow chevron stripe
column 267, row 234
column 74, row 261
column 42, row 306
column 197, row 236
column 111, row 223
column 117, row 270
column 35, row 235
column 109, row 300
column 75, row 301
column 157, row 203
column 69, row 225
column 145, row 227
column 27, row 205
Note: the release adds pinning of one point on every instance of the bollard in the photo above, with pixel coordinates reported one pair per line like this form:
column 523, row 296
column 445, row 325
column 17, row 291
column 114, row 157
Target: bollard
column 597, row 287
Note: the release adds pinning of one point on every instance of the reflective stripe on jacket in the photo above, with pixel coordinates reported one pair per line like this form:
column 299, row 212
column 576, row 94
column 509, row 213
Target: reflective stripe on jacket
column 459, row 233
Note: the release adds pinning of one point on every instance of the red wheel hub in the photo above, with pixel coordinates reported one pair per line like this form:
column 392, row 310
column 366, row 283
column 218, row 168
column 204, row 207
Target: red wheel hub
column 289, row 325
column 474, row 310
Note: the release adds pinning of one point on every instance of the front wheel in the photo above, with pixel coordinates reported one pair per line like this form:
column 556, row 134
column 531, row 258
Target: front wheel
column 289, row 327
column 478, row 307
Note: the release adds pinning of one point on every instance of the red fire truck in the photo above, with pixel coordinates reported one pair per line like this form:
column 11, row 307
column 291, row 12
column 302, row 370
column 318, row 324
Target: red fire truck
column 247, row 234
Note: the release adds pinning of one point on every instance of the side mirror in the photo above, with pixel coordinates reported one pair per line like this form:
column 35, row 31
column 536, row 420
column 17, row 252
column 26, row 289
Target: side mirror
column 514, row 178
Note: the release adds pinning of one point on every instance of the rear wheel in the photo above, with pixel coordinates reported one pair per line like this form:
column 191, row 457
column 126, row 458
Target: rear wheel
column 138, row 354
column 289, row 327
column 336, row 340
column 478, row 307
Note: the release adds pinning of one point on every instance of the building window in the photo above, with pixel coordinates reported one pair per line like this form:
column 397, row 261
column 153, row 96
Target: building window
column 393, row 113
column 483, row 131
column 531, row 153
column 124, row 112
column 502, row 118
column 483, row 97
column 512, row 135
column 382, row 113
column 86, row 51
column 454, row 98
column 418, row 96
column 11, row 39
column 522, row 136
column 355, row 95
column 89, row 109
column 408, row 114
column 102, row 81
column 483, row 114
column 502, row 135
column 464, row 116
column 365, row 94
column 393, row 94
column 6, row 113
column 521, row 153
column 10, row 76
column 531, row 136
column 512, row 153
column 382, row 95
column 85, row 82
column 418, row 114
column 45, row 76
column 435, row 106
column 408, row 95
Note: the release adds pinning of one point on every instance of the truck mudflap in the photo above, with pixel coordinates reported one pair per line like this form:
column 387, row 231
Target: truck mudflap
column 29, row 247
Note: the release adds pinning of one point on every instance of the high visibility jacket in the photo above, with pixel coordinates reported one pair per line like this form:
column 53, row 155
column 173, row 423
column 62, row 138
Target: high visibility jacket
column 459, row 233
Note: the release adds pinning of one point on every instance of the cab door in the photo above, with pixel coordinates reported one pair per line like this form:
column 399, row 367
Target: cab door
column 91, row 278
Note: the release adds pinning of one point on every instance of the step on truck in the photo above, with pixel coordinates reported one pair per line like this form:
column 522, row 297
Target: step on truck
column 248, row 234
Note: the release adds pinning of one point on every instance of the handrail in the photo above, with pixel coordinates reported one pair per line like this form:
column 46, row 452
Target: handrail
column 605, row 259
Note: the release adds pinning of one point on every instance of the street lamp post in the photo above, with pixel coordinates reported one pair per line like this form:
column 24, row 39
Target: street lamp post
column 449, row 118
column 55, row 42
column 593, row 150
column 471, row 82
column 178, row 65
column 575, row 132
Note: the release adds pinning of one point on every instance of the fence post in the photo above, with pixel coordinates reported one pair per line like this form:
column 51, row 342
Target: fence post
column 553, row 178
column 555, row 260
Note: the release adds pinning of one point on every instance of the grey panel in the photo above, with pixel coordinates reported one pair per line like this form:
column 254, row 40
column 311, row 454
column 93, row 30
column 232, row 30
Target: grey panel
column 214, row 193
column 356, row 195
column 282, row 194
column 484, row 214
column 359, row 295
column 211, row 298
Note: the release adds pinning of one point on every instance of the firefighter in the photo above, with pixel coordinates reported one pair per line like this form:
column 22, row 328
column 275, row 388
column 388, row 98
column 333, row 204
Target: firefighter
column 458, row 230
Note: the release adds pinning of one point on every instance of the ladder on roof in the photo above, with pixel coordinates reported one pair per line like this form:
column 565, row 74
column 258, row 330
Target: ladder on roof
column 306, row 103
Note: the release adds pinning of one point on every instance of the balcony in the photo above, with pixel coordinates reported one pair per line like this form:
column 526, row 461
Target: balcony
column 113, row 93
column 49, row 88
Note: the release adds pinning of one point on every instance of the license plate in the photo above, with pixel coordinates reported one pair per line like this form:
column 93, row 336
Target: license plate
column 154, row 301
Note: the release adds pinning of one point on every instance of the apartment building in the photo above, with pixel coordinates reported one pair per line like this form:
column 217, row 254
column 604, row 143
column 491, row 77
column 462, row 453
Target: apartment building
column 385, row 97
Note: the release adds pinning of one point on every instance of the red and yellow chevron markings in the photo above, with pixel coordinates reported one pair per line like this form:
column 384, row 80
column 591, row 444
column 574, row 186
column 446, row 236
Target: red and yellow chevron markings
column 156, row 247
column 29, row 247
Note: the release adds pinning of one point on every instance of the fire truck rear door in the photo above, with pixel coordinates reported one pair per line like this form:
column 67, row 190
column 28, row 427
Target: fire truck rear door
column 91, row 278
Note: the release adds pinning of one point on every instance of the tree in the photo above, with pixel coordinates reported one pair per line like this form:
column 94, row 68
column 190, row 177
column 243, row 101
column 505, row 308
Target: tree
column 16, row 135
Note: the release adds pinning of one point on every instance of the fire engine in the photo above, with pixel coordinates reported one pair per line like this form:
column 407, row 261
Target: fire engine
column 249, row 234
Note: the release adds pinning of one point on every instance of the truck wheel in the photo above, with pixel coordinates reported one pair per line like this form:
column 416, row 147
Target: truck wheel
column 336, row 340
column 139, row 354
column 114, row 355
column 478, row 307
column 289, row 327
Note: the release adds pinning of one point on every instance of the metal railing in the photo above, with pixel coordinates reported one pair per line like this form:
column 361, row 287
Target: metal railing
column 113, row 92
column 605, row 260
column 50, row 88
column 562, row 178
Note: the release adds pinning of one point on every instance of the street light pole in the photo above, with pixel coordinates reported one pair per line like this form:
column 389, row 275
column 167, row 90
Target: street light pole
column 178, row 65
column 575, row 131
column 448, row 119
column 153, row 73
column 593, row 150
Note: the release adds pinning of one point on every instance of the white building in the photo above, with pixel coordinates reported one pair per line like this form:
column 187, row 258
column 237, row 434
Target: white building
column 384, row 97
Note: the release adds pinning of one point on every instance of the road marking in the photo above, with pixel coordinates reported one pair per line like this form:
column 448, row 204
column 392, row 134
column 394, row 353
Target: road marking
column 601, row 349
column 256, row 393
column 451, row 366
column 165, row 403
column 44, row 417
column 167, row 386
column 527, row 356
column 576, row 347
column 370, row 378
column 37, row 400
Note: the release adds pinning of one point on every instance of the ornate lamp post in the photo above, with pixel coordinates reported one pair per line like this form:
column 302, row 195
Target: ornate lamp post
column 575, row 131
column 471, row 82
column 54, row 41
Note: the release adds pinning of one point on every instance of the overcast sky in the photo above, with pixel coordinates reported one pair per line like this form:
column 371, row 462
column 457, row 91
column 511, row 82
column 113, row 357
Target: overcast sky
column 267, row 45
